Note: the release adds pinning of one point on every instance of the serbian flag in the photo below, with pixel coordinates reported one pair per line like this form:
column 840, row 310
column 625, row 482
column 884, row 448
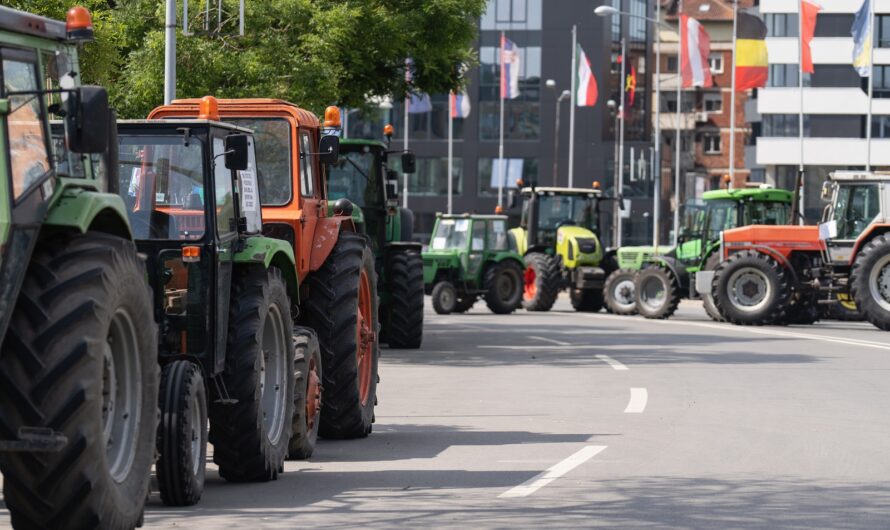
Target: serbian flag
column 509, row 69
column 694, row 50
column 751, row 61
column 460, row 105
column 584, row 81
column 809, row 10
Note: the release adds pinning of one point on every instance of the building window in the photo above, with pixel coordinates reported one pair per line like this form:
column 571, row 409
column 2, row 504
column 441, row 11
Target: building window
column 637, row 22
column 711, row 143
column 514, row 169
column 672, row 63
column 429, row 180
column 430, row 125
column 521, row 115
column 669, row 102
column 785, row 75
column 616, row 22
column 784, row 125
column 881, row 86
column 715, row 61
column 713, row 103
column 512, row 15
column 781, row 24
column 882, row 22
column 880, row 126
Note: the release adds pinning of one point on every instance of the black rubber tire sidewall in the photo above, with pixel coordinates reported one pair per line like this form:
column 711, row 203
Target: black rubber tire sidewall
column 671, row 292
column 405, row 280
column 493, row 300
column 440, row 299
column 547, row 281
column 865, row 261
column 615, row 278
column 771, row 313
column 707, row 299
column 303, row 439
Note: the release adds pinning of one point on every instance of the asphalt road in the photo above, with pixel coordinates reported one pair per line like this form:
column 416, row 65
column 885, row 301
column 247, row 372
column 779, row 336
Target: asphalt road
column 563, row 419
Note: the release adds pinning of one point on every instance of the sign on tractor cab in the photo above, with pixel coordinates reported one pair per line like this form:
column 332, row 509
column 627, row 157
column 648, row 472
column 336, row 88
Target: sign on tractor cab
column 472, row 256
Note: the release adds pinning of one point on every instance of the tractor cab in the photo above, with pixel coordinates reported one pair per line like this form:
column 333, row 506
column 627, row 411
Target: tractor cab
column 546, row 211
column 858, row 210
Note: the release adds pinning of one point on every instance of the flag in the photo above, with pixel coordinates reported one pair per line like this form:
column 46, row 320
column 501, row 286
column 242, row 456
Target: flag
column 694, row 51
column 585, row 81
column 630, row 85
column 808, row 9
column 459, row 105
column 751, row 60
column 420, row 102
column 862, row 36
column 509, row 69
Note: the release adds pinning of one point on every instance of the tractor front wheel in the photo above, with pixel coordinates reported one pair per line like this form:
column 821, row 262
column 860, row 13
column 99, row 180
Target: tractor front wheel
column 444, row 297
column 870, row 281
column 751, row 288
column 619, row 292
column 656, row 292
column 541, row 282
column 307, row 396
column 504, row 285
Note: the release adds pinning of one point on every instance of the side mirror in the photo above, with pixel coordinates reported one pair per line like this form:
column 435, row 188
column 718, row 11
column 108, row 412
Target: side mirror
column 236, row 152
column 329, row 149
column 827, row 190
column 87, row 120
column 392, row 184
column 409, row 163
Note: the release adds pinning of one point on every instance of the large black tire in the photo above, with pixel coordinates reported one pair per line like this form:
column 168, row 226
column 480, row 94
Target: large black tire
column 619, row 292
column 707, row 299
column 656, row 292
column 444, row 297
column 332, row 310
column 250, row 436
column 870, row 281
column 84, row 314
column 587, row 300
column 503, row 284
column 542, row 282
column 182, row 434
column 308, row 374
column 769, row 290
column 464, row 304
column 405, row 319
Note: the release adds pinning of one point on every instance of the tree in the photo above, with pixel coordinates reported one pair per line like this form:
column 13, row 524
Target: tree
column 312, row 52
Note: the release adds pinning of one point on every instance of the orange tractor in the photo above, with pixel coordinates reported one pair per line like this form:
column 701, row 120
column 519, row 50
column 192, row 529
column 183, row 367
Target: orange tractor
column 334, row 263
column 781, row 274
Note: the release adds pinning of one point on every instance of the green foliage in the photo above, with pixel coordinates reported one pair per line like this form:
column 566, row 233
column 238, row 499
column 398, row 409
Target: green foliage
column 311, row 52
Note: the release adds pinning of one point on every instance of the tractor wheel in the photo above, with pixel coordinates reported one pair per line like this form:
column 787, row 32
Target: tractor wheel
column 182, row 434
column 541, row 282
column 587, row 300
column 464, row 304
column 250, row 437
column 405, row 319
column 79, row 361
column 707, row 298
column 342, row 309
column 751, row 288
column 619, row 292
column 844, row 310
column 444, row 298
column 870, row 281
column 307, row 396
column 503, row 283
column 656, row 292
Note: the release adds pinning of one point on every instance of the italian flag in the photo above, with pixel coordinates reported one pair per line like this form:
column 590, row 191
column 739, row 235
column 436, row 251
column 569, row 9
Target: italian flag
column 586, row 93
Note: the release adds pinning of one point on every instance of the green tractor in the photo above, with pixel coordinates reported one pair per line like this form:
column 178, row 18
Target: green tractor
column 79, row 390
column 558, row 238
column 471, row 256
column 652, row 281
column 363, row 176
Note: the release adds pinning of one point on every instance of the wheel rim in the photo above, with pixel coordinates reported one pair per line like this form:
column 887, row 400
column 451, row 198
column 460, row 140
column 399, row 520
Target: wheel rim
column 623, row 293
column 365, row 337
column 121, row 395
column 506, row 285
column 313, row 394
column 530, row 288
column 749, row 289
column 448, row 298
column 879, row 282
column 196, row 428
column 273, row 380
column 653, row 293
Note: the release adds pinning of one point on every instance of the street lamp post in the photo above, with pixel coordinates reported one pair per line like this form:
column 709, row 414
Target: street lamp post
column 551, row 84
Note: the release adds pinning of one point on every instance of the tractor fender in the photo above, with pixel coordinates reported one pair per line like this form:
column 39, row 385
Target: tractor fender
column 505, row 256
column 84, row 210
column 270, row 252
column 871, row 233
column 327, row 232
column 677, row 269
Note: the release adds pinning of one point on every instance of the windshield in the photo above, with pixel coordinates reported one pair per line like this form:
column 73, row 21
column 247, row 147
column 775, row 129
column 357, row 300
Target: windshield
column 722, row 215
column 556, row 210
column 25, row 122
column 451, row 234
column 273, row 153
column 856, row 208
column 766, row 213
column 355, row 176
column 162, row 184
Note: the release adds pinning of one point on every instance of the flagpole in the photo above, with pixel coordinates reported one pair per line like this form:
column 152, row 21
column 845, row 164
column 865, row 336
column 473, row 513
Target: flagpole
column 801, row 176
column 405, row 177
column 501, row 140
column 573, row 103
column 656, row 167
column 732, row 112
column 622, row 111
column 678, row 140
column 451, row 101
column 871, row 77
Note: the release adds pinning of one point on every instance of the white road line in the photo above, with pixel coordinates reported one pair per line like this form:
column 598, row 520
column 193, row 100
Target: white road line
column 612, row 362
column 557, row 470
column 552, row 341
column 638, row 399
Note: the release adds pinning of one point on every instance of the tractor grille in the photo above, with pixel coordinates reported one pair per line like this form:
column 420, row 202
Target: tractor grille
column 587, row 246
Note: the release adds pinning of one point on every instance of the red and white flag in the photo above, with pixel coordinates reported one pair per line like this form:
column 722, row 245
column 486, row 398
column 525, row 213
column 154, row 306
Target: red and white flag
column 694, row 50
column 809, row 10
column 585, row 81
column 459, row 105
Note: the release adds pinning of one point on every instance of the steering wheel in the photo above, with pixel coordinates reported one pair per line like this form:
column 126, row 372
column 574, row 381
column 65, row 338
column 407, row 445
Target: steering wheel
column 567, row 222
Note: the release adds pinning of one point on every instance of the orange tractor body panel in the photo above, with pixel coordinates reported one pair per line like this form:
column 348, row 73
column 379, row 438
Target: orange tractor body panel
column 781, row 240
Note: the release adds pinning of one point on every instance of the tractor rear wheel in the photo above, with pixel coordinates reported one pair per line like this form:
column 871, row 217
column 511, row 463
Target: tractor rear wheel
column 250, row 437
column 707, row 298
column 444, row 297
column 342, row 309
column 619, row 292
column 79, row 361
column 656, row 292
column 870, row 281
column 541, row 282
column 587, row 300
column 503, row 283
column 307, row 396
column 405, row 311
column 751, row 288
column 182, row 434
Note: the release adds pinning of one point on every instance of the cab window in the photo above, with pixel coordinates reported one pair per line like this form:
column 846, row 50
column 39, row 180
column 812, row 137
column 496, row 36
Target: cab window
column 478, row 235
column 856, row 208
column 307, row 166
column 497, row 235
column 225, row 200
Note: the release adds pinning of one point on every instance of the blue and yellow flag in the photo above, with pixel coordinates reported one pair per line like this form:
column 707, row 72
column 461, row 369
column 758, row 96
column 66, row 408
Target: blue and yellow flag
column 862, row 38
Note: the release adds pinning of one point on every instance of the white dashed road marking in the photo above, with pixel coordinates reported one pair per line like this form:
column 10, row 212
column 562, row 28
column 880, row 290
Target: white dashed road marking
column 612, row 362
column 638, row 399
column 557, row 470
column 551, row 341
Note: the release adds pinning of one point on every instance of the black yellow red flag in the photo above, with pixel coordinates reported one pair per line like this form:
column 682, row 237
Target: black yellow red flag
column 751, row 63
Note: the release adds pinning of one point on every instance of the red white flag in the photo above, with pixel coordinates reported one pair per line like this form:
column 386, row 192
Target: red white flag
column 809, row 10
column 586, row 82
column 694, row 50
